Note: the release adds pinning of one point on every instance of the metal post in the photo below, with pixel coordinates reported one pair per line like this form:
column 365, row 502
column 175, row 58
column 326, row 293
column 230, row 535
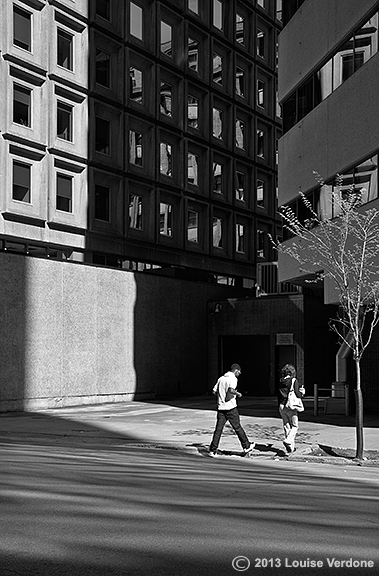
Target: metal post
column 315, row 400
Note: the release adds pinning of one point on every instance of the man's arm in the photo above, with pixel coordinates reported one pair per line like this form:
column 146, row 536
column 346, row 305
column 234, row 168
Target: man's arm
column 234, row 392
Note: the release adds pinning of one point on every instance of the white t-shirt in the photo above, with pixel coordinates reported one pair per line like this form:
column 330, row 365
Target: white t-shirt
column 228, row 380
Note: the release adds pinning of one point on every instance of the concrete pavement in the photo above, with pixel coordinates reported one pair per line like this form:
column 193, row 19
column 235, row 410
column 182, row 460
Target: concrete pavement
column 187, row 424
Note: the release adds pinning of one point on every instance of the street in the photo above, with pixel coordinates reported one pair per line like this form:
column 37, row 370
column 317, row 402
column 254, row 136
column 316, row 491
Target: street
column 120, row 508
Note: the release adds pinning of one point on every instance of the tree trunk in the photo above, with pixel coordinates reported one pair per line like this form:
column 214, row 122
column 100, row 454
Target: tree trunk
column 359, row 413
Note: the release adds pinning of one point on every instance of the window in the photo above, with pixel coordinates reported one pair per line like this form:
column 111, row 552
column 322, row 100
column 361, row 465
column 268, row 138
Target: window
column 166, row 38
column 279, row 10
column 166, row 99
column 135, row 148
column 64, row 193
column 21, row 182
column 240, row 29
column 217, row 123
column 193, row 54
column 193, row 112
column 240, row 82
column 165, row 159
column 136, row 21
column 64, row 121
column 102, row 68
column 22, row 28
column 21, row 105
column 217, row 178
column 65, row 42
column 260, row 44
column 193, row 169
column 217, row 68
column 193, row 226
column 261, row 244
column 240, row 238
column 261, row 152
column 102, row 203
column 217, row 14
column 165, row 220
column 261, row 93
column 103, row 8
column 135, row 212
column 240, row 186
column 261, row 3
column 240, row 134
column 102, row 135
column 260, row 193
column 135, row 94
column 193, row 5
column 218, row 232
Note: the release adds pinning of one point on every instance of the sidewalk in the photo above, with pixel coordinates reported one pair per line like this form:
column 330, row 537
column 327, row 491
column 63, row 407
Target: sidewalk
column 187, row 424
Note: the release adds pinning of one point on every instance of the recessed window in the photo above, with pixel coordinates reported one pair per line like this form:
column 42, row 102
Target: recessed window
column 261, row 244
column 21, row 182
column 240, row 238
column 260, row 93
column 102, row 135
column 166, row 99
column 103, row 8
column 65, row 43
column 102, row 203
column 193, row 112
column 166, row 38
column 261, row 152
column 135, row 93
column 240, row 82
column 261, row 3
column 22, row 28
column 102, row 68
column 135, row 148
column 217, row 68
column 64, row 121
column 165, row 159
column 217, row 123
column 240, row 134
column 193, row 54
column 193, row 5
column 64, row 193
column 240, row 186
column 261, row 44
column 21, row 105
column 279, row 10
column 193, row 169
column 135, row 212
column 240, row 29
column 218, row 232
column 260, row 193
column 217, row 178
column 193, row 226
column 136, row 21
column 217, row 14
column 165, row 219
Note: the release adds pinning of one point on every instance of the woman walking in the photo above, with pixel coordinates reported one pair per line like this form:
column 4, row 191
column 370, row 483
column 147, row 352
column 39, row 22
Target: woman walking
column 289, row 397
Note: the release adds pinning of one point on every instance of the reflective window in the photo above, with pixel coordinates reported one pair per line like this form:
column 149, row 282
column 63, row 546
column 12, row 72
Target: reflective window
column 64, row 121
column 165, row 220
column 240, row 134
column 165, row 159
column 136, row 21
column 217, row 178
column 261, row 244
column 65, row 43
column 217, row 14
column 21, row 105
column 261, row 93
column 102, row 203
column 260, row 44
column 217, row 68
column 102, row 135
column 193, row 169
column 240, row 29
column 166, row 38
column 136, row 86
column 260, row 193
column 193, row 5
column 102, row 68
column 279, row 10
column 240, row 238
column 166, row 99
column 366, row 179
column 261, row 144
column 135, row 148
column 240, row 82
column 64, row 193
column 218, row 232
column 21, row 182
column 193, row 112
column 193, row 226
column 135, row 212
column 22, row 23
column 217, row 123
column 240, row 186
column 193, row 54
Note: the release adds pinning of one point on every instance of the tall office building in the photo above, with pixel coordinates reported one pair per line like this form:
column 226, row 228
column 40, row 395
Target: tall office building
column 141, row 134
column 328, row 84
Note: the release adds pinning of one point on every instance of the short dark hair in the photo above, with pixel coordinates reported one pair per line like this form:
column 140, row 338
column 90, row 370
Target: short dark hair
column 235, row 367
column 288, row 370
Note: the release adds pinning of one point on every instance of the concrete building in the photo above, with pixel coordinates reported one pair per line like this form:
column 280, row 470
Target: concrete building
column 328, row 82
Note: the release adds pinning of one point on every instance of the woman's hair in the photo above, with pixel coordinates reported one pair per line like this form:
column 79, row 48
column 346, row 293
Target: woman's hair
column 288, row 370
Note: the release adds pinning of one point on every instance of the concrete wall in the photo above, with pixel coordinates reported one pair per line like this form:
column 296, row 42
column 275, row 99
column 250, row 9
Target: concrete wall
column 73, row 334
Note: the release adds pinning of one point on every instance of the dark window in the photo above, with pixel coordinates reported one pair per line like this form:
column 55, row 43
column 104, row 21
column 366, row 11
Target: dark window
column 102, row 68
column 64, row 121
column 102, row 131
column 102, row 203
column 193, row 54
column 64, row 193
column 21, row 28
column 21, row 105
column 305, row 99
column 240, row 29
column 21, row 182
column 166, row 99
column 103, row 9
column 136, row 86
column 65, row 41
column 289, row 113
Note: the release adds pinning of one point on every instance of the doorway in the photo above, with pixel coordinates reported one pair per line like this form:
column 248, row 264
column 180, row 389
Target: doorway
column 252, row 353
column 285, row 354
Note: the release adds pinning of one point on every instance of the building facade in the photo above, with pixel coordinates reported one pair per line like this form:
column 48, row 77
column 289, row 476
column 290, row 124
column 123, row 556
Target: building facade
column 328, row 81
column 141, row 134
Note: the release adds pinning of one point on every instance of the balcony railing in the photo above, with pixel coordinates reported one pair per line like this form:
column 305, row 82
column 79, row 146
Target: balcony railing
column 267, row 281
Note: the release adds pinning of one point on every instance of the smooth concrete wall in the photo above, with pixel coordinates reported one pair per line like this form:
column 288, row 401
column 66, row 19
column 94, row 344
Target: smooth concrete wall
column 315, row 31
column 73, row 334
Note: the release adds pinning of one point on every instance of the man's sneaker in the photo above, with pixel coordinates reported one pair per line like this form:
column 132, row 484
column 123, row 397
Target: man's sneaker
column 249, row 449
column 288, row 447
column 213, row 454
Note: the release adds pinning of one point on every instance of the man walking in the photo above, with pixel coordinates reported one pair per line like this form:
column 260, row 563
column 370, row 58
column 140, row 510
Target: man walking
column 226, row 391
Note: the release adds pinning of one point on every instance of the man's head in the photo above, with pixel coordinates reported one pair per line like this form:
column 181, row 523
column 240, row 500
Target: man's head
column 236, row 369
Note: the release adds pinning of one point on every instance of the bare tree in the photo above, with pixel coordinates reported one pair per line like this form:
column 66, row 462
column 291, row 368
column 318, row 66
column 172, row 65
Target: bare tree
column 343, row 247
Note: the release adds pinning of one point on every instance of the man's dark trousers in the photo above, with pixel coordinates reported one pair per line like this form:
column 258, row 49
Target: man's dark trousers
column 232, row 416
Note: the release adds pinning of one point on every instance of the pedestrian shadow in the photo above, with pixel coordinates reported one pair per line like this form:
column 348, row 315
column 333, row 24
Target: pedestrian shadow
column 268, row 449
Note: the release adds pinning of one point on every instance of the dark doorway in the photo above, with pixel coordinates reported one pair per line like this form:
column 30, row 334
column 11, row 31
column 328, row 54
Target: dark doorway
column 253, row 355
column 285, row 354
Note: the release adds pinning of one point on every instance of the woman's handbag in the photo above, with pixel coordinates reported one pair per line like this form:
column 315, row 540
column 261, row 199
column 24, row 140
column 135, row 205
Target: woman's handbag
column 293, row 402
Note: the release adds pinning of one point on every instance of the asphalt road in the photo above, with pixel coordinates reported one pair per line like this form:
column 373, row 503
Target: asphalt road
column 123, row 509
